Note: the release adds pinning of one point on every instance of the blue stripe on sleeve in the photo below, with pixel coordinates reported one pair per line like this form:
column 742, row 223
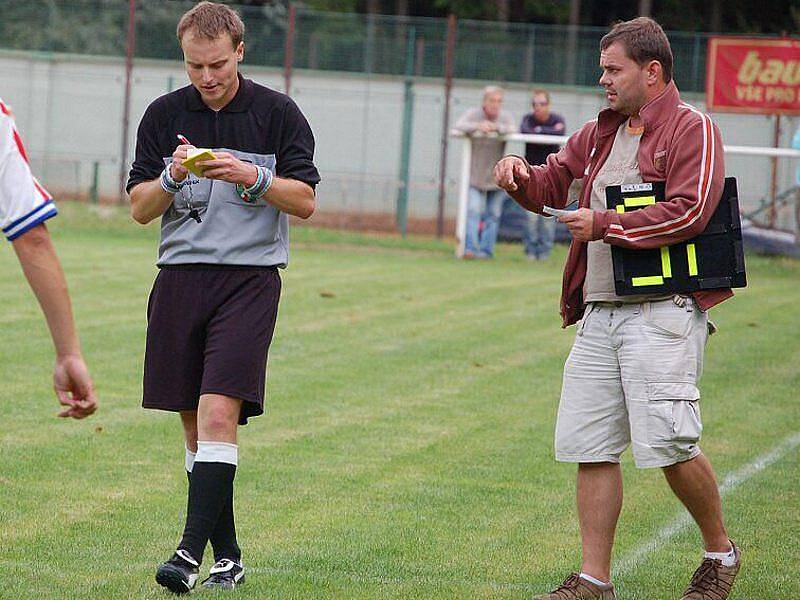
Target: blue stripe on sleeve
column 10, row 226
column 39, row 220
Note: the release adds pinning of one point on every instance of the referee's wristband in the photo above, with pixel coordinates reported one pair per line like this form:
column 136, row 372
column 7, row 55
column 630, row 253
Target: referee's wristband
column 168, row 184
column 259, row 188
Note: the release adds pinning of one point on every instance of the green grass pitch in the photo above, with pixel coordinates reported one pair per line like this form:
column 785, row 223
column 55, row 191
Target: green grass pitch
column 406, row 451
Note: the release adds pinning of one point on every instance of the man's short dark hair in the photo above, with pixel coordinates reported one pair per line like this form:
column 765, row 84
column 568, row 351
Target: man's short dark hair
column 644, row 40
column 541, row 92
column 210, row 20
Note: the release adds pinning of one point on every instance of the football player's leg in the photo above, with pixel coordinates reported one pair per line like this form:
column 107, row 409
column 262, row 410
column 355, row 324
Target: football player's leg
column 211, row 482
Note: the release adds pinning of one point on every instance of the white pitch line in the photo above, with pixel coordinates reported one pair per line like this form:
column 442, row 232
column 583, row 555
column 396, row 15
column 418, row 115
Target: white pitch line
column 733, row 480
column 628, row 563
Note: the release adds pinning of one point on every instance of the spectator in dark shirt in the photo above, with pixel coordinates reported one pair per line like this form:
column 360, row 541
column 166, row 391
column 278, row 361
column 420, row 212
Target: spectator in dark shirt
column 539, row 230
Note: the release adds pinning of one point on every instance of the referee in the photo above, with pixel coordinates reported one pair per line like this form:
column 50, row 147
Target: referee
column 212, row 310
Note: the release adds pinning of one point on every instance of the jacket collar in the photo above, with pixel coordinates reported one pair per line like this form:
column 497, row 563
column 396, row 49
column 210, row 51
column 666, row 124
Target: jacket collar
column 240, row 102
column 653, row 114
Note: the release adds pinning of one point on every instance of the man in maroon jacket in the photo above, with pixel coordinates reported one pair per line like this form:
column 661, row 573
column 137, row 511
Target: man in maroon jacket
column 631, row 377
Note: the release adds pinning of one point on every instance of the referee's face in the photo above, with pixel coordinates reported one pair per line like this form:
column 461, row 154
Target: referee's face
column 212, row 66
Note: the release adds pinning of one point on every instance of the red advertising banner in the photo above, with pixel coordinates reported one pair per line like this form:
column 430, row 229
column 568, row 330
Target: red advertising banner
column 753, row 75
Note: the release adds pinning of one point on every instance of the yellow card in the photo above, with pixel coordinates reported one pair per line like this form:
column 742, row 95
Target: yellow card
column 197, row 154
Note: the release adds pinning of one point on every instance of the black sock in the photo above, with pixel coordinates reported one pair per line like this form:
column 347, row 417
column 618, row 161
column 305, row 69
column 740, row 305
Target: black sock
column 223, row 539
column 210, row 487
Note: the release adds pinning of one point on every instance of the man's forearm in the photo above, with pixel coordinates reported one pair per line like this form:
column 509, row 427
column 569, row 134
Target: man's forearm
column 149, row 201
column 43, row 271
column 468, row 124
column 291, row 196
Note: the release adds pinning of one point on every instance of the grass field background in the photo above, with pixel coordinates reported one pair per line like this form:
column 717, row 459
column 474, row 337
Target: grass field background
column 406, row 451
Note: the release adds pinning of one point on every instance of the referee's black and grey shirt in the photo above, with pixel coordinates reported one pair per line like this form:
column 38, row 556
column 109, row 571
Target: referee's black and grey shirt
column 259, row 125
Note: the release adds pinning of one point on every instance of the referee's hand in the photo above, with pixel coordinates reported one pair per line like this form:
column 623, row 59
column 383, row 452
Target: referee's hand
column 226, row 167
column 176, row 170
column 73, row 387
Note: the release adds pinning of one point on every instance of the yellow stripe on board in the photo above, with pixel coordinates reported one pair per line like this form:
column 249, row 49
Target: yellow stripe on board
column 666, row 265
column 692, row 256
column 640, row 201
column 620, row 208
column 653, row 280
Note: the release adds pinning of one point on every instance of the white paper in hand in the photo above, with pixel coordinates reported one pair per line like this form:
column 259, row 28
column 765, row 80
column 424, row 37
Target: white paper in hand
column 555, row 212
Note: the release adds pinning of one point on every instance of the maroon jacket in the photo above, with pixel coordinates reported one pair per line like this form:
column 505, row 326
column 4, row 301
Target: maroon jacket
column 680, row 145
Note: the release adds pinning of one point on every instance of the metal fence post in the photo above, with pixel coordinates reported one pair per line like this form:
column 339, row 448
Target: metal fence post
column 288, row 54
column 130, row 45
column 369, row 44
column 420, row 69
column 94, row 194
column 529, row 53
column 573, row 29
column 696, row 85
column 405, row 150
column 773, row 188
column 448, row 86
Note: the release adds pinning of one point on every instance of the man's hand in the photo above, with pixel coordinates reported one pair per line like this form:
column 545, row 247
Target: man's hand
column 73, row 387
column 487, row 127
column 226, row 167
column 511, row 173
column 176, row 170
column 580, row 223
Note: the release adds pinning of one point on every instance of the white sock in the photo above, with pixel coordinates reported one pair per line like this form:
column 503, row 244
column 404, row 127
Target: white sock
column 190, row 456
column 602, row 584
column 728, row 558
column 217, row 452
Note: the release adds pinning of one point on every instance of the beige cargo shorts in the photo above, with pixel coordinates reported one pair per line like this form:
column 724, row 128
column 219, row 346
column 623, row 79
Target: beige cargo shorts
column 631, row 379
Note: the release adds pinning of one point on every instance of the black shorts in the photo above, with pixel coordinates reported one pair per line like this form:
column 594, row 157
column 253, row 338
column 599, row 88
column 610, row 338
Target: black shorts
column 208, row 332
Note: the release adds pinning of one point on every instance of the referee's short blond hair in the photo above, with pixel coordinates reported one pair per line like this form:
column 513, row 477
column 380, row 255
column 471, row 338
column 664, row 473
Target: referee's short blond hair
column 210, row 20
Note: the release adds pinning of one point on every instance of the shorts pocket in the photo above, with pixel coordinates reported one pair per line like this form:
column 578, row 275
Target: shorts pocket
column 673, row 414
column 582, row 323
column 151, row 295
column 668, row 319
column 672, row 390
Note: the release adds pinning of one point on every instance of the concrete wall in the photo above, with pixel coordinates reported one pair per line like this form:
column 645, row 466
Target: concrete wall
column 69, row 110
